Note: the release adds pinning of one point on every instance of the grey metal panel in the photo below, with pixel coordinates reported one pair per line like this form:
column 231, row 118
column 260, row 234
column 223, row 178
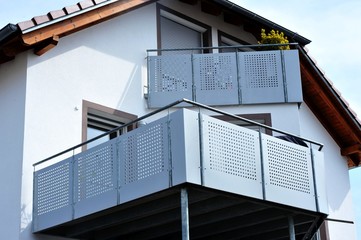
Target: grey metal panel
column 320, row 174
column 53, row 195
column 185, row 147
column 261, row 78
column 288, row 173
column 170, row 79
column 95, row 179
column 215, row 78
column 293, row 75
column 231, row 158
column 144, row 160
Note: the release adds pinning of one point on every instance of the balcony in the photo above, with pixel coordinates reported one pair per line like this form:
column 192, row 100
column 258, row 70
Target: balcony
column 229, row 78
column 185, row 175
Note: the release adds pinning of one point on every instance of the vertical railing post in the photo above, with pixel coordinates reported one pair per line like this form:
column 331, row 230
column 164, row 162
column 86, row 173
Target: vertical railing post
column 314, row 178
column 238, row 77
column 73, row 190
column 35, row 201
column 283, row 67
column 201, row 163
column 170, row 160
column 184, row 214
column 263, row 182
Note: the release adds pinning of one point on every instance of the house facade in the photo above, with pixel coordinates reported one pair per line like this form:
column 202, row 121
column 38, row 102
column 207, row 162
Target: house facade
column 73, row 74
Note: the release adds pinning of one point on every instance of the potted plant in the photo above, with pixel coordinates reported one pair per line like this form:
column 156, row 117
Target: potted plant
column 274, row 37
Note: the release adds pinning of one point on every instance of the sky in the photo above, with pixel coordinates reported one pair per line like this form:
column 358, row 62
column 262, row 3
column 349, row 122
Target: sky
column 331, row 25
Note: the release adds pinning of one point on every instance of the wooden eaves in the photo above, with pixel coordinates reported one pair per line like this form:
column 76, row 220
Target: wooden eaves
column 43, row 33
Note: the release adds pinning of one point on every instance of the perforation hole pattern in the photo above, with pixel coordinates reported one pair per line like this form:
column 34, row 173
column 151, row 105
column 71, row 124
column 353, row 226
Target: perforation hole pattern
column 216, row 73
column 171, row 74
column 95, row 172
column 261, row 71
column 144, row 154
column 288, row 167
column 53, row 189
column 232, row 151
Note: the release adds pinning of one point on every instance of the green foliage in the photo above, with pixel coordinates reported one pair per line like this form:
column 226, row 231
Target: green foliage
column 274, row 37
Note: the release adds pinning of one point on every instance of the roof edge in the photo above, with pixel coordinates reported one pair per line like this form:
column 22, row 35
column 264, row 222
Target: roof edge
column 298, row 38
column 7, row 32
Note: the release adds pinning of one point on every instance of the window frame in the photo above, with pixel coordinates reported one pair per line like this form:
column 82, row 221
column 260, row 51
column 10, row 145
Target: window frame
column 266, row 117
column 234, row 40
column 103, row 112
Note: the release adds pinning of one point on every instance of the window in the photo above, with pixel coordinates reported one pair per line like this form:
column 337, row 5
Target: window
column 176, row 31
column 225, row 39
column 98, row 119
column 263, row 118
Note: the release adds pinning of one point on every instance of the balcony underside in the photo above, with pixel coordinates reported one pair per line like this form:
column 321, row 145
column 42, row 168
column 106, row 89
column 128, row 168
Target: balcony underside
column 213, row 214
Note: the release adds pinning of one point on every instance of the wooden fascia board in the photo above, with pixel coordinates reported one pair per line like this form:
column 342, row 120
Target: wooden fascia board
column 81, row 21
column 315, row 94
column 351, row 150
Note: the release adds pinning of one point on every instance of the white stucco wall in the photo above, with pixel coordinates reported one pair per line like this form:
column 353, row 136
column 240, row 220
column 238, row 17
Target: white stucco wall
column 337, row 177
column 104, row 64
column 12, row 106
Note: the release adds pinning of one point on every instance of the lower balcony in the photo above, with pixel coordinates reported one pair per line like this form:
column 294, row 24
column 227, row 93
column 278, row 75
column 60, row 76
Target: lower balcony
column 184, row 176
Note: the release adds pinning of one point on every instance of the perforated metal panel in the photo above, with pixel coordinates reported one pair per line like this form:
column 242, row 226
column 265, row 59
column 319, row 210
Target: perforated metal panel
column 170, row 79
column 215, row 78
column 231, row 153
column 288, row 173
column 53, row 188
column 144, row 160
column 96, row 171
column 261, row 77
column 95, row 179
column 53, row 195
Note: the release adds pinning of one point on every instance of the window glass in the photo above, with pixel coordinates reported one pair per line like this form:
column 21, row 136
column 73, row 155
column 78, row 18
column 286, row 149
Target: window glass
column 263, row 118
column 98, row 119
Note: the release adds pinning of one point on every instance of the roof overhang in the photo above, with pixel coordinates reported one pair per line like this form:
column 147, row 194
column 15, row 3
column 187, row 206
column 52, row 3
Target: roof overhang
column 331, row 110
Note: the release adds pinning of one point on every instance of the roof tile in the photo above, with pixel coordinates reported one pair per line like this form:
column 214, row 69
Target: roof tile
column 26, row 24
column 71, row 9
column 41, row 19
column 56, row 14
column 85, row 4
column 99, row 1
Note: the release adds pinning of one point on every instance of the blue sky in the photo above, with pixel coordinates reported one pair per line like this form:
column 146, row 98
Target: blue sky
column 331, row 25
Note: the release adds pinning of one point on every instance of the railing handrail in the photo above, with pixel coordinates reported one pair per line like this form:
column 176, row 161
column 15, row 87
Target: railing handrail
column 168, row 107
column 224, row 47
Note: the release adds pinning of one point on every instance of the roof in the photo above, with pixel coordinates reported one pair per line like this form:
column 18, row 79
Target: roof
column 42, row 33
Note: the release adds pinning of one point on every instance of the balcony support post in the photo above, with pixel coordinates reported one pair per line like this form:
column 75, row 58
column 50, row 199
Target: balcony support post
column 291, row 228
column 184, row 214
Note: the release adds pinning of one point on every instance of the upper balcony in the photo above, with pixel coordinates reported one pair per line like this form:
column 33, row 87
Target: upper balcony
column 223, row 78
column 185, row 175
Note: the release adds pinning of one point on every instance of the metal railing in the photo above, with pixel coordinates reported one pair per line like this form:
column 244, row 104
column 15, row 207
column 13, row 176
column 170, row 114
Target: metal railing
column 182, row 147
column 167, row 107
column 225, row 78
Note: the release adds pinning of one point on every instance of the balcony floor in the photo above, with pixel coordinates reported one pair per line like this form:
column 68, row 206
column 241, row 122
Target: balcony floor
column 213, row 214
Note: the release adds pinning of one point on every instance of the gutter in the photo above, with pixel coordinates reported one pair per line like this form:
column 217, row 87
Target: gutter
column 8, row 32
